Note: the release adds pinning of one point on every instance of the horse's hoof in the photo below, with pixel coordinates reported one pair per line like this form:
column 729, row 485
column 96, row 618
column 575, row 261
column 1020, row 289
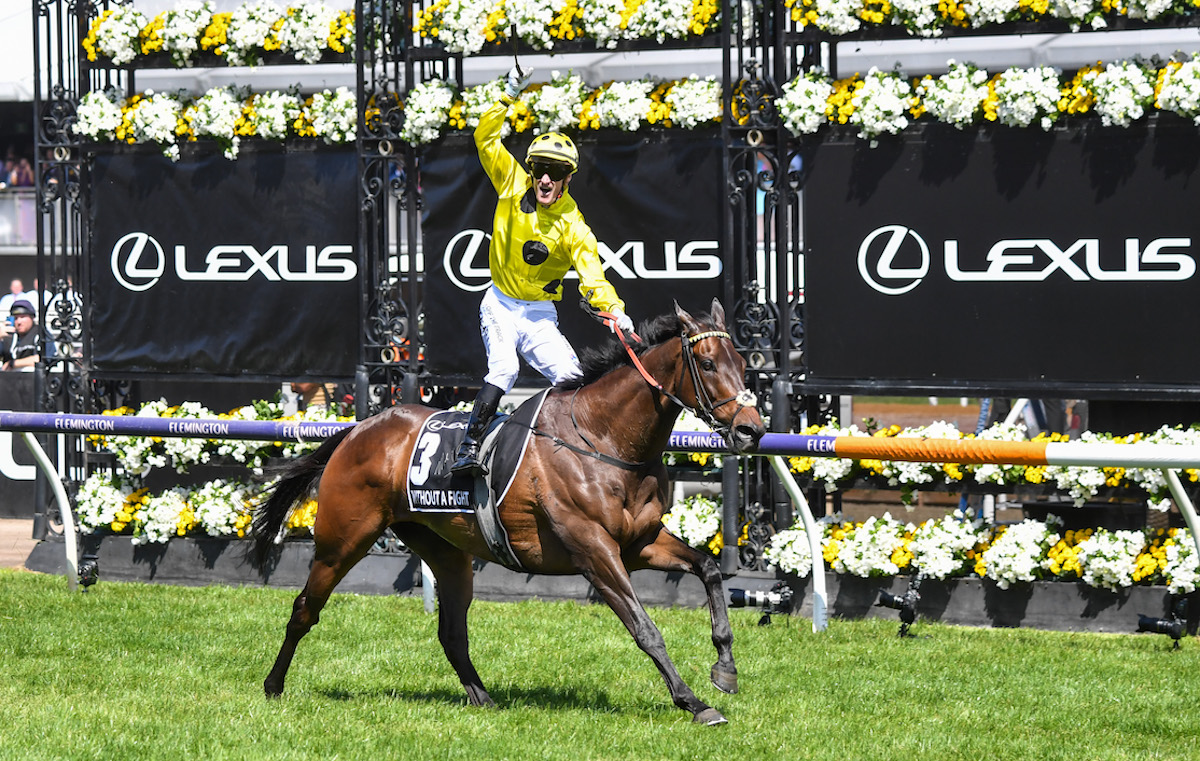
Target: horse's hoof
column 725, row 681
column 271, row 690
column 709, row 717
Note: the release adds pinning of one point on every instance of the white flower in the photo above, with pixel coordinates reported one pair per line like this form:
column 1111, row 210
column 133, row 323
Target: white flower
column 1182, row 569
column 789, row 551
column 1019, row 553
column 425, row 111
column 1148, row 9
column 557, row 104
column 98, row 115
column 660, row 19
column 881, row 104
column 334, row 115
column 1109, row 558
column 158, row 521
column 305, row 30
column 694, row 101
column 463, row 25
column 984, row 12
column 215, row 115
column 1180, row 90
column 1027, row 95
column 182, row 28
column 625, row 104
column 603, row 21
column 99, row 499
column 222, row 508
column 920, row 16
column 273, row 114
column 186, row 452
column 1123, row 93
column 940, row 547
column 695, row 520
column 957, row 96
column 154, row 119
column 117, row 33
column 249, row 27
column 1078, row 12
column 803, row 100
column 867, row 550
column 838, row 17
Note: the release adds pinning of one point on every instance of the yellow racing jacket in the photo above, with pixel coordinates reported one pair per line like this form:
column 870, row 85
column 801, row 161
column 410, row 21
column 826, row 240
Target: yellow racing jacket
column 534, row 246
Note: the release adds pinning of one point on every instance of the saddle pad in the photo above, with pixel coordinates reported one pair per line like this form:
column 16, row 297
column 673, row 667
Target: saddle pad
column 431, row 485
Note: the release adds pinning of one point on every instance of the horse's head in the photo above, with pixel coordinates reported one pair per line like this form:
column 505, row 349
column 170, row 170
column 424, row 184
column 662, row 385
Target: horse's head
column 713, row 381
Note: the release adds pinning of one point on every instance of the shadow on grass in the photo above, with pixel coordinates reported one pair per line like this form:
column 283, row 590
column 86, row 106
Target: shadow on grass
column 510, row 697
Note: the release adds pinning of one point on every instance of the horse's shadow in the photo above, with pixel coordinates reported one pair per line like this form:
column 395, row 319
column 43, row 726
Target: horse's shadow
column 510, row 697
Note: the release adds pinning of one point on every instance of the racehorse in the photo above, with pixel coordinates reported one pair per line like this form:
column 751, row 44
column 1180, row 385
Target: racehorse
column 588, row 497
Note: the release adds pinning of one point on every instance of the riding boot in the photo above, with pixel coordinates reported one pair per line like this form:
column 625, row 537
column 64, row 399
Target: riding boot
column 481, row 414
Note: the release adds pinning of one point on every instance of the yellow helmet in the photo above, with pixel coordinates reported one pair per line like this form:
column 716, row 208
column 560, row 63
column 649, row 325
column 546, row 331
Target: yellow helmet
column 553, row 146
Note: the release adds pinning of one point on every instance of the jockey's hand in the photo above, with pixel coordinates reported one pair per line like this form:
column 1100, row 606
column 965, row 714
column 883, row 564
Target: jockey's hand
column 621, row 321
column 515, row 82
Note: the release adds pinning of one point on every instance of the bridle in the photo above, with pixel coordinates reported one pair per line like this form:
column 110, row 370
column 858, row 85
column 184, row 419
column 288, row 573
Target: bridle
column 705, row 405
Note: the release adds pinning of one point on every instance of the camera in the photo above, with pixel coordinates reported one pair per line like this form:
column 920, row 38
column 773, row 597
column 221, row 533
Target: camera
column 1174, row 627
column 905, row 603
column 777, row 600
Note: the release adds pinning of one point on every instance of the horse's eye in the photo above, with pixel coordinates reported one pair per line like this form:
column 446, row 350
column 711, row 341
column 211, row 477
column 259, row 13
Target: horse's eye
column 708, row 365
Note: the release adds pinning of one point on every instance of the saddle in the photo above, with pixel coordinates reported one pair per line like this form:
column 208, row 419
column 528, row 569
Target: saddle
column 432, row 488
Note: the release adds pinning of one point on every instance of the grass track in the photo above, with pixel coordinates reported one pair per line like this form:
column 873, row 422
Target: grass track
column 137, row 671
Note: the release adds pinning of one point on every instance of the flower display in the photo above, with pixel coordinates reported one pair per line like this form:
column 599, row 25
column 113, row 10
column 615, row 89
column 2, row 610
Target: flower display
column 223, row 114
column 956, row 97
column 696, row 520
column 1178, row 88
column 1082, row 484
column 957, row 546
column 305, row 30
column 802, row 102
column 1021, row 97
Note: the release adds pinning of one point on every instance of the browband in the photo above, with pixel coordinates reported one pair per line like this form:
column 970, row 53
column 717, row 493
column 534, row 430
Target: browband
column 710, row 334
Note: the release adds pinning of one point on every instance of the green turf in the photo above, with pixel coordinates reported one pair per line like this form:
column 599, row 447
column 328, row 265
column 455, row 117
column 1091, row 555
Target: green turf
column 137, row 671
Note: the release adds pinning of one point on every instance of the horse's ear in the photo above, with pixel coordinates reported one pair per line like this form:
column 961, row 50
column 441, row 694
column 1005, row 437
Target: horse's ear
column 718, row 315
column 685, row 319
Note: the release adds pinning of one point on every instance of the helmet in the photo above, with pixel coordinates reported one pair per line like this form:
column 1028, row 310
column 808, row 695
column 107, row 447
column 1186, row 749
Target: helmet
column 553, row 146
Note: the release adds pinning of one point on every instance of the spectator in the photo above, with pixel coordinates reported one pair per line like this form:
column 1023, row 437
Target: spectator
column 22, row 174
column 316, row 395
column 16, row 289
column 20, row 349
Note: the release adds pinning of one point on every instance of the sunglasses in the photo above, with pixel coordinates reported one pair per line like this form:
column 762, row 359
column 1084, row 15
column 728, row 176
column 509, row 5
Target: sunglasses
column 557, row 172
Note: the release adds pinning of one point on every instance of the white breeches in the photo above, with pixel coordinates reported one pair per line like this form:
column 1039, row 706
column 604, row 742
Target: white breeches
column 529, row 329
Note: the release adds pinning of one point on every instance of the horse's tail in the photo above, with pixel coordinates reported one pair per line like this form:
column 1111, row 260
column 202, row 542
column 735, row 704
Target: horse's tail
column 294, row 482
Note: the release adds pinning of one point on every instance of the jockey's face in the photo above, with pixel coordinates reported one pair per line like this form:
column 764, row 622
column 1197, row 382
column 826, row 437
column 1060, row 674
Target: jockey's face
column 550, row 181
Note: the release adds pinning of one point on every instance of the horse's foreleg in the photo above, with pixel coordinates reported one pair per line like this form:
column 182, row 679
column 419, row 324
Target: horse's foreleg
column 608, row 575
column 669, row 553
column 455, row 588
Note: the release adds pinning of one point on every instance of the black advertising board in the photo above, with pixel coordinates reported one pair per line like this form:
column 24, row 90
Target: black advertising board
column 1005, row 260
column 655, row 207
column 207, row 266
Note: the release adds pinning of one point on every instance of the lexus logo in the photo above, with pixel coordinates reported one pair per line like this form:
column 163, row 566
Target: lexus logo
column 138, row 261
column 882, row 254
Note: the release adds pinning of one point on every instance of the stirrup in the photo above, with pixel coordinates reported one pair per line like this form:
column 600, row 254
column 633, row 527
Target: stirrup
column 468, row 462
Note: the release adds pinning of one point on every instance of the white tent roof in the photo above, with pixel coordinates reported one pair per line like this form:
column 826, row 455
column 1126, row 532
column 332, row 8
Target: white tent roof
column 16, row 52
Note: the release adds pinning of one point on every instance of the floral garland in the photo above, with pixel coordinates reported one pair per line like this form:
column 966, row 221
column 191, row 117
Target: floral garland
column 930, row 18
column 224, row 114
column 306, row 30
column 434, row 107
column 885, row 102
column 467, row 26
column 1081, row 483
column 958, row 546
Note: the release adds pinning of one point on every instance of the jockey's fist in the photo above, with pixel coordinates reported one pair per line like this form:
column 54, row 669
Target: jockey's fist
column 515, row 82
column 621, row 321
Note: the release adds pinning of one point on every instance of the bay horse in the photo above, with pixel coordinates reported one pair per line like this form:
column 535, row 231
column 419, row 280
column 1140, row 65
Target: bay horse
column 588, row 497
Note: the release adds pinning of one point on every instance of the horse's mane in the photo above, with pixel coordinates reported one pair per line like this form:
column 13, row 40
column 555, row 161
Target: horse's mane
column 597, row 361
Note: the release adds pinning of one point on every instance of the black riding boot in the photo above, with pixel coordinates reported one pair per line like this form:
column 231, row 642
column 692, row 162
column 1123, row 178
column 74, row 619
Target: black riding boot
column 481, row 414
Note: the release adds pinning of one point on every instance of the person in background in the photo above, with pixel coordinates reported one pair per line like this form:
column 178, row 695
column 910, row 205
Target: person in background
column 20, row 349
column 21, row 175
column 538, row 234
column 316, row 395
column 16, row 289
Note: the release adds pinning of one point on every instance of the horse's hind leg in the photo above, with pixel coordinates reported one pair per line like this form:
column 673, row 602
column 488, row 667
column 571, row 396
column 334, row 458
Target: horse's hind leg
column 605, row 570
column 455, row 587
column 669, row 553
column 334, row 556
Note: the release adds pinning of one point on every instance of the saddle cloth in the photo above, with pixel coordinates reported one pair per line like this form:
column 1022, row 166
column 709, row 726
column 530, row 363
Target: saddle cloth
column 432, row 488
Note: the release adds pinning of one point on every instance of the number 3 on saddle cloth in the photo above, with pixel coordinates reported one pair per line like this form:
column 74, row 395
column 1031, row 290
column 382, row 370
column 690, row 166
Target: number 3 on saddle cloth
column 432, row 488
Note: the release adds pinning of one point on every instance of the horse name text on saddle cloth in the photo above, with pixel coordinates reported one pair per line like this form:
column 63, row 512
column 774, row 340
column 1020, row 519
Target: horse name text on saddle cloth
column 431, row 486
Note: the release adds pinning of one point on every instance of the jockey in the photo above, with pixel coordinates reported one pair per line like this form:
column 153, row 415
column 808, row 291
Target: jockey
column 538, row 234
